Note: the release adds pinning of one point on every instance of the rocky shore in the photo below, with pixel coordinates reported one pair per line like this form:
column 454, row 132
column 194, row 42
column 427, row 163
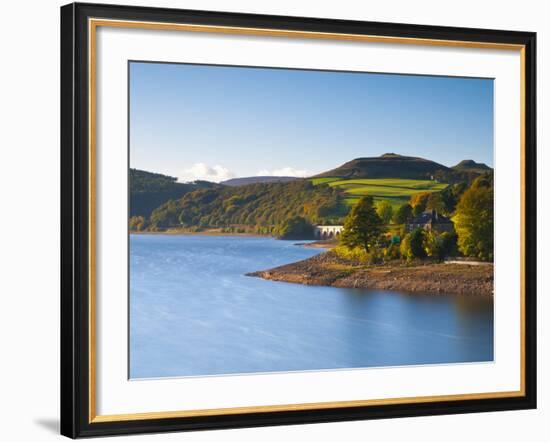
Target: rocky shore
column 319, row 244
column 327, row 269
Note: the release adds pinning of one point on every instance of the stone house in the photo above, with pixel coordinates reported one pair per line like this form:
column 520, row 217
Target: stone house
column 430, row 220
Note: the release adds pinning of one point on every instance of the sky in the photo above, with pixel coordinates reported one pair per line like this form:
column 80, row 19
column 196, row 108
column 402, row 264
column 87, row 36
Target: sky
column 216, row 122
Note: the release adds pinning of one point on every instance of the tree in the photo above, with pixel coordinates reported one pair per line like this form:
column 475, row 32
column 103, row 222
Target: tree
column 295, row 227
column 403, row 214
column 449, row 243
column 473, row 221
column 435, row 202
column 259, row 204
column 419, row 201
column 418, row 209
column 451, row 194
column 385, row 211
column 412, row 245
column 485, row 180
column 392, row 252
column 439, row 245
column 137, row 223
column 362, row 227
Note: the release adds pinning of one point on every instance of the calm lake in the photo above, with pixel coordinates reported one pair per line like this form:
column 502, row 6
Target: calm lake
column 193, row 312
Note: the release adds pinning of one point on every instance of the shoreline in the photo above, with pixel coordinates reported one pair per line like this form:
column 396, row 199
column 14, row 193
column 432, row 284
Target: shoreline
column 318, row 244
column 327, row 269
column 213, row 233
column 315, row 244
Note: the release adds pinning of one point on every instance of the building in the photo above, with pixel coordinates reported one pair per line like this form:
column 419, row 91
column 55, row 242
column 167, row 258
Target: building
column 430, row 220
column 327, row 232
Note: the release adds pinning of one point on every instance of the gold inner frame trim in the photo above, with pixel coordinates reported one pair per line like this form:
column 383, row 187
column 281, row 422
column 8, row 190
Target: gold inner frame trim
column 93, row 24
column 294, row 407
column 298, row 34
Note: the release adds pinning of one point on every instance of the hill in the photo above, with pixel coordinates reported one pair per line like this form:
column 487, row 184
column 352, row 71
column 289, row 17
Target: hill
column 149, row 190
column 258, row 179
column 471, row 165
column 261, row 205
column 389, row 165
column 467, row 171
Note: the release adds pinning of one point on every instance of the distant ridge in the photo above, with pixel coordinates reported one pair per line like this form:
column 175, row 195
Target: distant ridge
column 389, row 165
column 234, row 182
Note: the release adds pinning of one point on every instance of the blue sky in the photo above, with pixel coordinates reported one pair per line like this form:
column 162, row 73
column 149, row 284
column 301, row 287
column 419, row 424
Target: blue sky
column 214, row 122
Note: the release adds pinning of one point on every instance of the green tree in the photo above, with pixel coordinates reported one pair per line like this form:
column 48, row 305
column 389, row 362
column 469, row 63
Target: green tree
column 403, row 214
column 392, row 252
column 449, row 243
column 435, row 202
column 259, row 204
column 439, row 245
column 473, row 221
column 418, row 209
column 486, row 180
column 385, row 211
column 362, row 227
column 451, row 194
column 419, row 201
column 412, row 245
column 295, row 227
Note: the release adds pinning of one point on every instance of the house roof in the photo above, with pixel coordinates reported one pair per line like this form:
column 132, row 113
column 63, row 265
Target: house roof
column 430, row 216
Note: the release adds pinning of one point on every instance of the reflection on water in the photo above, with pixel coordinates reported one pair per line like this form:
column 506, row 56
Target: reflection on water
column 193, row 312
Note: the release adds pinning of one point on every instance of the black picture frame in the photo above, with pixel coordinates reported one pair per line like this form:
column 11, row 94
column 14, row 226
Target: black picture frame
column 75, row 219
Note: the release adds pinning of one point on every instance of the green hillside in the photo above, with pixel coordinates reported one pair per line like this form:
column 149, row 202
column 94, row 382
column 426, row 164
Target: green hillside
column 394, row 190
column 261, row 205
column 471, row 165
column 149, row 190
column 389, row 165
column 467, row 171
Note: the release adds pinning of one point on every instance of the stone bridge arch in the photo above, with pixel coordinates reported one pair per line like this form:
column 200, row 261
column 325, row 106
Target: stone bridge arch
column 327, row 232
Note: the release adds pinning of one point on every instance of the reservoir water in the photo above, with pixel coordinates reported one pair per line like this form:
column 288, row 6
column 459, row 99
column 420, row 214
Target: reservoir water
column 194, row 312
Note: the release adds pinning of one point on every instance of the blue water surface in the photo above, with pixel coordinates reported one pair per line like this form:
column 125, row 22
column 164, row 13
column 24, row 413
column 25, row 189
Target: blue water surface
column 194, row 312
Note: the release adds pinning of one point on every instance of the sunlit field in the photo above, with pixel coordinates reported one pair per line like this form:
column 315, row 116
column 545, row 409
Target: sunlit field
column 394, row 190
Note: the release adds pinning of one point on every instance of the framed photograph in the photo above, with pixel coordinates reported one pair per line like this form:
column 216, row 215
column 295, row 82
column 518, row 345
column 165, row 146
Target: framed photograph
column 273, row 220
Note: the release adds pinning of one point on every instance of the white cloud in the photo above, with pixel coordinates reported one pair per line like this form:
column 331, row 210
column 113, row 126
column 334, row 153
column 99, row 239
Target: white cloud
column 201, row 171
column 285, row 171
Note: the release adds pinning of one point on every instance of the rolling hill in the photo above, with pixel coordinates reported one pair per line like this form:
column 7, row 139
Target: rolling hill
column 471, row 165
column 396, row 191
column 389, row 165
column 395, row 178
column 467, row 171
column 389, row 177
column 149, row 190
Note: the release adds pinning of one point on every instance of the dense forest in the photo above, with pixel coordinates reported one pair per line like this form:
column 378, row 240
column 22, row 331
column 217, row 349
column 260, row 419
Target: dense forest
column 262, row 206
column 149, row 190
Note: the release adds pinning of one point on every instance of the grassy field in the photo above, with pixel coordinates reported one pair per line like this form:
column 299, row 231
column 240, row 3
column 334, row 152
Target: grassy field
column 394, row 190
